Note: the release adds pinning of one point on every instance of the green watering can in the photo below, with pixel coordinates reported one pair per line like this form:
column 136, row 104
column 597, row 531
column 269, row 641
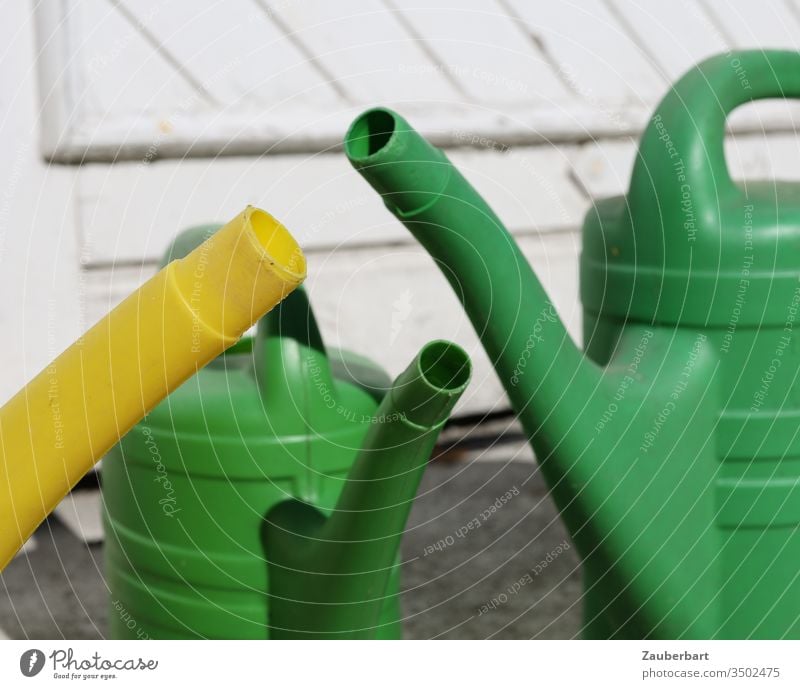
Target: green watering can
column 267, row 496
column 672, row 445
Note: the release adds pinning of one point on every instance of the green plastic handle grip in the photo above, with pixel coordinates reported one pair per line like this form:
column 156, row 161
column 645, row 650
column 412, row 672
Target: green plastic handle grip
column 682, row 153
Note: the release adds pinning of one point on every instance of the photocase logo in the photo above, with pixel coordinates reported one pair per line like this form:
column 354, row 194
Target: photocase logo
column 31, row 662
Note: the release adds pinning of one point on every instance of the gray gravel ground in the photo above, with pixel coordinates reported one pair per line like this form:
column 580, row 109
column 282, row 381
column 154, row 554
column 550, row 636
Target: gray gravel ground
column 503, row 578
column 497, row 580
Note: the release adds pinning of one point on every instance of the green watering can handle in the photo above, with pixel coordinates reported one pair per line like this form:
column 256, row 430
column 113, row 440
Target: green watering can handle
column 681, row 156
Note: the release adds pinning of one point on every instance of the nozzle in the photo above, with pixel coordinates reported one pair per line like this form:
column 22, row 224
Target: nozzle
column 328, row 577
column 403, row 167
column 429, row 388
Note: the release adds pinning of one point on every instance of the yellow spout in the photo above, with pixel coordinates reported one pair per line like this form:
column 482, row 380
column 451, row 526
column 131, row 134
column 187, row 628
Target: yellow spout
column 55, row 428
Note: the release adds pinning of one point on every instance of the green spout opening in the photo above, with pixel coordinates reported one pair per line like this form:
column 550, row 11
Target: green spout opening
column 402, row 166
column 427, row 392
column 444, row 366
column 369, row 133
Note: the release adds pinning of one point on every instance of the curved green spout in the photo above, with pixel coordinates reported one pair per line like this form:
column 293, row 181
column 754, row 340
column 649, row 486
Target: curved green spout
column 328, row 575
column 586, row 424
column 504, row 299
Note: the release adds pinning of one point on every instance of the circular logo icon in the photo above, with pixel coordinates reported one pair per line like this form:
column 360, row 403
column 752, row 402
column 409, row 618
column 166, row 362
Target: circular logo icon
column 31, row 662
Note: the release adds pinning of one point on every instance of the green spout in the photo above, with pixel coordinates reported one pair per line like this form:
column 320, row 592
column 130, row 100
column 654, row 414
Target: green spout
column 328, row 577
column 509, row 309
column 608, row 484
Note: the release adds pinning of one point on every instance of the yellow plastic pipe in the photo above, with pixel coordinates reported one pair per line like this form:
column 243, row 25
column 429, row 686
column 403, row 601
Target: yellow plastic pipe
column 55, row 428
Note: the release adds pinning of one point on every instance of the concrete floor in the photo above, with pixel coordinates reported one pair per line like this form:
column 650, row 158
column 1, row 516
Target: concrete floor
column 512, row 575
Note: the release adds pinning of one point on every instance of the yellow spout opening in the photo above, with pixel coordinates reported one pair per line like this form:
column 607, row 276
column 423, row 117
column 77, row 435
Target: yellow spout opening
column 240, row 272
column 281, row 249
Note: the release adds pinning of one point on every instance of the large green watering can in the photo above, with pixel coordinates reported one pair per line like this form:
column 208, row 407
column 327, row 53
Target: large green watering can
column 267, row 496
column 672, row 445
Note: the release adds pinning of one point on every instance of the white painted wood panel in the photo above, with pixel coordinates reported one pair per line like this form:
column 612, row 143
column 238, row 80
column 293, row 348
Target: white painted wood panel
column 750, row 24
column 130, row 213
column 366, row 49
column 603, row 168
column 40, row 280
column 676, row 35
column 234, row 52
column 126, row 79
column 593, row 51
column 114, row 71
column 775, row 156
column 489, row 55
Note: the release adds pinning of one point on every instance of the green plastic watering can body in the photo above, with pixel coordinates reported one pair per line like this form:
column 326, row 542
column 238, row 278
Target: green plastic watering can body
column 678, row 515
column 188, row 492
column 690, row 251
